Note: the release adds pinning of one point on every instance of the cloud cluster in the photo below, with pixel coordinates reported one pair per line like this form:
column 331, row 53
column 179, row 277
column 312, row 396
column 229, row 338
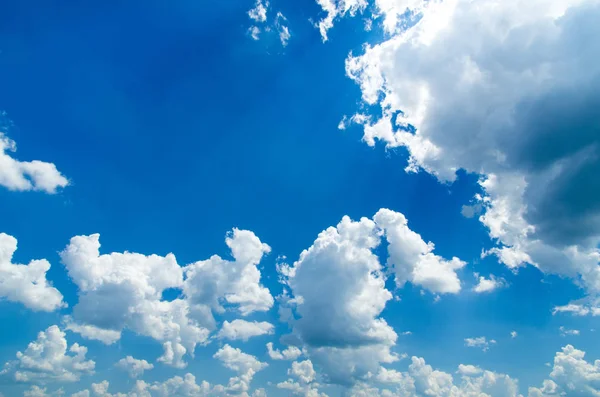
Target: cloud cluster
column 341, row 327
column 49, row 359
column 134, row 367
column 304, row 383
column 505, row 90
column 259, row 16
column 422, row 380
column 571, row 375
column 125, row 290
column 479, row 342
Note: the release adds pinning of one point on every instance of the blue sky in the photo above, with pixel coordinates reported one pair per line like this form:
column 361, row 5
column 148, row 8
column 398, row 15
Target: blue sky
column 167, row 128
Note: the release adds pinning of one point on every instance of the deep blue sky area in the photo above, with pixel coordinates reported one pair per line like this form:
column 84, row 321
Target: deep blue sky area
column 174, row 126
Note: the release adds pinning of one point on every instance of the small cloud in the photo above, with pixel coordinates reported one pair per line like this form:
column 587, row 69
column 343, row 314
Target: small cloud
column 568, row 332
column 406, row 333
column 488, row 285
column 480, row 342
column 259, row 12
column 513, row 334
column 254, row 32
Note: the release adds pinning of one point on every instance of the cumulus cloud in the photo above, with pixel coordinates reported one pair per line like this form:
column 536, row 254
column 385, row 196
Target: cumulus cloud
column 244, row 330
column 413, row 259
column 49, row 359
column 488, row 284
column 26, row 284
column 479, row 342
column 505, row 90
column 305, row 384
column 244, row 364
column 36, row 391
column 134, row 367
column 341, row 327
column 422, row 380
column 290, row 353
column 27, row 175
column 124, row 291
column 571, row 375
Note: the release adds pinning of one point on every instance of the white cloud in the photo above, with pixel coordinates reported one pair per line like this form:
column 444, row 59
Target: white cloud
column 584, row 307
column 413, row 259
column 235, row 283
column 244, row 364
column 303, row 371
column 134, row 367
column 341, row 327
column 513, row 334
column 305, row 385
column 568, row 332
column 422, row 380
column 48, row 359
column 571, row 375
column 290, row 353
column 254, row 32
column 488, row 285
column 337, row 9
column 26, row 284
column 124, row 290
column 36, row 391
column 259, row 12
column 106, row 336
column 284, row 32
column 480, row 342
column 244, row 330
column 469, row 370
column 505, row 90
column 27, row 175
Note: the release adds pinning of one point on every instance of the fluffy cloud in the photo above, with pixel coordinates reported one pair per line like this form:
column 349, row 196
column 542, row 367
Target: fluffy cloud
column 213, row 281
column 244, row 364
column 571, row 375
column 48, row 359
column 27, row 175
column 488, row 284
column 259, row 12
column 26, row 284
column 36, row 391
column 506, row 90
column 244, row 330
column 133, row 366
column 341, row 327
column 422, row 380
column 124, row 290
column 290, row 353
column 413, row 259
column 468, row 370
column 305, row 385
column 480, row 342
